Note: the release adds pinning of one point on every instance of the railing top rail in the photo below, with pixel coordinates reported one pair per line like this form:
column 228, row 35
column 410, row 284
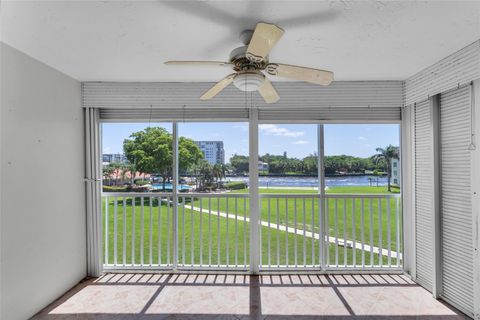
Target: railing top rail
column 214, row 195
column 169, row 194
column 246, row 195
column 289, row 195
column 359, row 195
column 137, row 194
column 328, row 195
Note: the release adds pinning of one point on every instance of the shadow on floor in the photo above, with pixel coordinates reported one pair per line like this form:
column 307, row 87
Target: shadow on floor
column 187, row 296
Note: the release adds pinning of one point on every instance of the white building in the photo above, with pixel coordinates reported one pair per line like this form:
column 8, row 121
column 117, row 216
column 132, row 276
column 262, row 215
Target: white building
column 262, row 166
column 395, row 172
column 108, row 158
column 213, row 151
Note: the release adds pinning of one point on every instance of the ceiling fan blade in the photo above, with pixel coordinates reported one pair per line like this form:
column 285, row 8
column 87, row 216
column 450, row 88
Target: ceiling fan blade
column 197, row 63
column 263, row 39
column 316, row 76
column 268, row 92
column 219, row 86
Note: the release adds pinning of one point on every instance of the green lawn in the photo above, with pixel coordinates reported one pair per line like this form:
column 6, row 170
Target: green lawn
column 345, row 217
column 228, row 241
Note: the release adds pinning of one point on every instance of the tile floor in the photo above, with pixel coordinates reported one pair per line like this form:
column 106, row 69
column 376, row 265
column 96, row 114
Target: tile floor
column 181, row 296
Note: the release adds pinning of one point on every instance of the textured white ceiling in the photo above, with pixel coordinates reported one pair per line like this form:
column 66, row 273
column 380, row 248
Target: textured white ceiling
column 129, row 41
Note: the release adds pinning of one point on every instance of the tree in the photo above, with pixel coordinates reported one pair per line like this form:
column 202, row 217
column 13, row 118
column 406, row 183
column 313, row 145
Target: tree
column 219, row 171
column 108, row 172
column 204, row 174
column 387, row 155
column 150, row 150
column 239, row 163
column 310, row 164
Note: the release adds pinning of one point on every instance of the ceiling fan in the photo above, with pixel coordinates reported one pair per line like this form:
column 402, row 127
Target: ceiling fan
column 250, row 60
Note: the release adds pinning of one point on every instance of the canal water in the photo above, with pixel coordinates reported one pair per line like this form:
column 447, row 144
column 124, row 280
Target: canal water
column 313, row 181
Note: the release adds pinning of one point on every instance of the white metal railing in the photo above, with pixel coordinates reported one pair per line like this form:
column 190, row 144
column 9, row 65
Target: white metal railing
column 375, row 239
column 296, row 231
column 213, row 231
column 138, row 227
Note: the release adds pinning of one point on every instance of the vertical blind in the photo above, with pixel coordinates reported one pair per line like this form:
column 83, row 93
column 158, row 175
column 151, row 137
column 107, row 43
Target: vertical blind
column 424, row 194
column 456, row 206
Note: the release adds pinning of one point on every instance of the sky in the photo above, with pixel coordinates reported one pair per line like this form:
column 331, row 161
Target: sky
column 299, row 140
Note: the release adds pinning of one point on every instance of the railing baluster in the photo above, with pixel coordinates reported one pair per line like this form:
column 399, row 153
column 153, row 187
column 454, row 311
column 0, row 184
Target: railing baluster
column 372, row 262
column 142, row 231
column 218, row 232
column 169, row 209
column 313, row 232
column 345, row 232
column 115, row 230
column 286, row 233
column 389, row 259
column 260, row 233
column 209, row 231
column 107, row 238
column 397, row 230
column 183, row 230
column 362, row 203
column 327, row 232
column 150, row 236
column 380, row 257
column 245, row 232
column 304, row 236
column 236, row 232
column 133, row 230
column 200, row 241
column 295, row 231
column 278, row 234
column 268, row 221
column 354, row 227
column 192, row 254
column 227, row 256
column 336, row 232
column 159, row 230
column 124, row 242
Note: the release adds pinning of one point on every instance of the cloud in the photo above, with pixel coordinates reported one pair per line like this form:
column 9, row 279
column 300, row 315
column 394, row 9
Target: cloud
column 301, row 142
column 361, row 138
column 274, row 130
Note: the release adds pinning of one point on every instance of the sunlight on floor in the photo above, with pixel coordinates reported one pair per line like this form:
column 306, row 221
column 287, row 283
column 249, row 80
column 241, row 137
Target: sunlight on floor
column 240, row 296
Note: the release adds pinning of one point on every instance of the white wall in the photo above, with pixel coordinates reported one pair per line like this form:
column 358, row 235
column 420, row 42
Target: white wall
column 42, row 225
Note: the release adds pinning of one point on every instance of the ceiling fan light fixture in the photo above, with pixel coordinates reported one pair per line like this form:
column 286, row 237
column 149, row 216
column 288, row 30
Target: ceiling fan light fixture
column 248, row 81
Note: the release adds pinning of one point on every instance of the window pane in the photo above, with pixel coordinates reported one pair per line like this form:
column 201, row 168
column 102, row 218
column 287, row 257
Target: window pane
column 213, row 227
column 362, row 158
column 288, row 157
column 136, row 156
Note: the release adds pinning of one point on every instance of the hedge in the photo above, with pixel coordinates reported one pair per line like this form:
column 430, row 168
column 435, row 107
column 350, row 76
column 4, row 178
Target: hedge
column 236, row 185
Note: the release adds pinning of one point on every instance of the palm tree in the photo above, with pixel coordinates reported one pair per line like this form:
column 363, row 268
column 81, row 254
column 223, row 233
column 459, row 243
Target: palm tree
column 219, row 171
column 387, row 154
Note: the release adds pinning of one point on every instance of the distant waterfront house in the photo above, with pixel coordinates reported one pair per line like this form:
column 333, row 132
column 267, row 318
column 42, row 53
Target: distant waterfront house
column 262, row 166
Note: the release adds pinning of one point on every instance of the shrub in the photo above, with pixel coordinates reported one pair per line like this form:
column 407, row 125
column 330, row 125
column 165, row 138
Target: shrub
column 141, row 182
column 236, row 185
column 115, row 188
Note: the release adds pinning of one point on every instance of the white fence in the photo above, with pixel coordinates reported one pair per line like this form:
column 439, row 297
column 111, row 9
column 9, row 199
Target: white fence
column 332, row 232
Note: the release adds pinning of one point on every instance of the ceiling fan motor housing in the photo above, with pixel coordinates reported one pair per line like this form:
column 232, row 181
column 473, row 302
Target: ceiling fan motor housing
column 238, row 57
